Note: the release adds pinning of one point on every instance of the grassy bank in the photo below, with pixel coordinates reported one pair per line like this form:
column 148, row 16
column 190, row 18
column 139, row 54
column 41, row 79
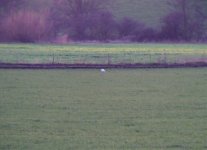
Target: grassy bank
column 121, row 109
column 102, row 53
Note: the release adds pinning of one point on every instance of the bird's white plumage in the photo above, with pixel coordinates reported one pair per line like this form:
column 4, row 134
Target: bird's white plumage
column 103, row 70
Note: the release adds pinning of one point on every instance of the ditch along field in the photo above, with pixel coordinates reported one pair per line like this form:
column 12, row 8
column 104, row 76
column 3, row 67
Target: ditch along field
column 104, row 54
column 117, row 110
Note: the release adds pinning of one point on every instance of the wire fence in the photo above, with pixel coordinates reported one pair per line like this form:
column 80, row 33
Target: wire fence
column 103, row 58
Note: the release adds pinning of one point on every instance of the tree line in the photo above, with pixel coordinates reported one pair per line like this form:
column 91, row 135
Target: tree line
column 83, row 20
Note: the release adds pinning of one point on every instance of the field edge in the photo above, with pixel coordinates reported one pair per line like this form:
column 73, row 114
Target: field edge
column 99, row 66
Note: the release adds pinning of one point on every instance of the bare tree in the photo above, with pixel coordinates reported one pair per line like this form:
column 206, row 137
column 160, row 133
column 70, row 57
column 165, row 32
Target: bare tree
column 77, row 16
column 78, row 7
column 192, row 15
column 10, row 5
column 201, row 8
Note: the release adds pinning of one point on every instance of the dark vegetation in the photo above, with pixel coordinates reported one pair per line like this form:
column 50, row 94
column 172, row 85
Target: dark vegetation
column 83, row 20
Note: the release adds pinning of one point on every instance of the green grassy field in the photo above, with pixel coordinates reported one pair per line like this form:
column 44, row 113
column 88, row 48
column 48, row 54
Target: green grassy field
column 102, row 53
column 118, row 110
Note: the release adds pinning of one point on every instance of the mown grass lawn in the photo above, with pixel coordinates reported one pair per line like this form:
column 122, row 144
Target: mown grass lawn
column 89, row 110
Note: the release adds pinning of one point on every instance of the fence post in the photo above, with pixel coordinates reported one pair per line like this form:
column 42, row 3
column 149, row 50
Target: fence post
column 109, row 62
column 165, row 57
column 53, row 58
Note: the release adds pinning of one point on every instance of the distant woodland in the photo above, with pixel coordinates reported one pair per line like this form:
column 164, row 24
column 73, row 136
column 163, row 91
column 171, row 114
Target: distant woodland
column 98, row 20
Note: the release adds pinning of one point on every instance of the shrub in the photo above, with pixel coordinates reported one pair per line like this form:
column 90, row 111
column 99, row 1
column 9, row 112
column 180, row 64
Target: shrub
column 198, row 30
column 172, row 28
column 145, row 34
column 133, row 30
column 25, row 26
column 127, row 27
column 176, row 29
column 149, row 35
column 82, row 19
column 100, row 26
column 105, row 27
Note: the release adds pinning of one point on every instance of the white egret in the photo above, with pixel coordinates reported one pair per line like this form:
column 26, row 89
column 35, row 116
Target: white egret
column 103, row 70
